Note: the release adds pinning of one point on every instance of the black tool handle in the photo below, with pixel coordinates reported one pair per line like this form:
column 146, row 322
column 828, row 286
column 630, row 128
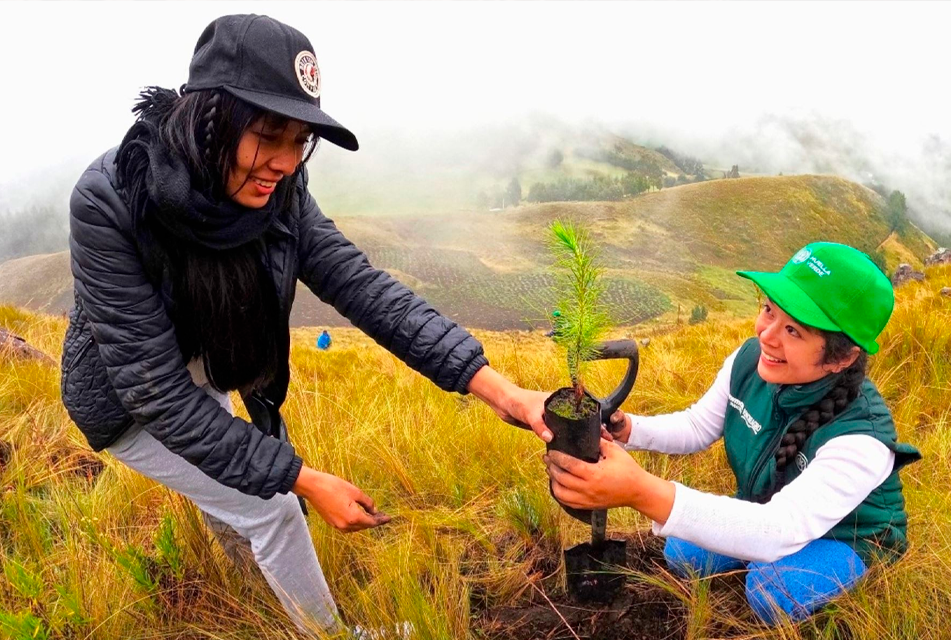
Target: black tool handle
column 599, row 526
column 614, row 350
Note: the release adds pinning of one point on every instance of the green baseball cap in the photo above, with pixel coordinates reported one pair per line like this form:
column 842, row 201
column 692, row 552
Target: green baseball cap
column 833, row 287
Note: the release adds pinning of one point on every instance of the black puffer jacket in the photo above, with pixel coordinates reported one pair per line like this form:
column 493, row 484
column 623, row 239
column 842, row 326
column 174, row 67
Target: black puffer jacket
column 122, row 363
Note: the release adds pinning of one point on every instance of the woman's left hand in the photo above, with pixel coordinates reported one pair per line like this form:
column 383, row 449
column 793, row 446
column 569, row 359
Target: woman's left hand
column 611, row 482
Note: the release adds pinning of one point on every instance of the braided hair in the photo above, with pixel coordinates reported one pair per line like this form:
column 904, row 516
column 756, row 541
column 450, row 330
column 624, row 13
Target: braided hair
column 208, row 124
column 838, row 347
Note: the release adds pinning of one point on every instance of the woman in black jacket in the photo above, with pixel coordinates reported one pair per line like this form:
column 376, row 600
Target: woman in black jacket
column 187, row 242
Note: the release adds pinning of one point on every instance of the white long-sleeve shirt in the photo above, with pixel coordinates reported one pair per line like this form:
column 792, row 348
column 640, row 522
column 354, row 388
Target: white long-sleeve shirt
column 843, row 473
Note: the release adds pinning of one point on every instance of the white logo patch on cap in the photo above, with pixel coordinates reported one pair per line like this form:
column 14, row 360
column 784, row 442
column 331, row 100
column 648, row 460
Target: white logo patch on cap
column 308, row 74
column 802, row 256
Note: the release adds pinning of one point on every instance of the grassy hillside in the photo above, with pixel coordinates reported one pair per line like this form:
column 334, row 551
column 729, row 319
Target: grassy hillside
column 41, row 282
column 91, row 550
column 665, row 250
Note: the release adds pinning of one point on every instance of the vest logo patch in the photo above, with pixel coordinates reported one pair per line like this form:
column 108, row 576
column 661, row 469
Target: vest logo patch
column 750, row 421
column 801, row 461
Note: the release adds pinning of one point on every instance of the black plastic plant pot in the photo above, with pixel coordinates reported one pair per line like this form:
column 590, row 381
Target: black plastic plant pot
column 581, row 437
column 590, row 571
column 578, row 437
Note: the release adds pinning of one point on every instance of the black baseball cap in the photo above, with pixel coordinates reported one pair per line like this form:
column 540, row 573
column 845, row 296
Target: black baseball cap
column 268, row 64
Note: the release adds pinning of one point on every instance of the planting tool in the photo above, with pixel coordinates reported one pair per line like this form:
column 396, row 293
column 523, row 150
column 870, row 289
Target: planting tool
column 586, row 563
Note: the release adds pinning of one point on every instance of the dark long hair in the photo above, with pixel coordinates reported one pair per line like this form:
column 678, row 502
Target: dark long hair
column 838, row 347
column 223, row 302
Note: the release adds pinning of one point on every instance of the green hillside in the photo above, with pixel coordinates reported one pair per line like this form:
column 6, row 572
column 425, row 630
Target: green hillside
column 673, row 247
column 665, row 251
column 748, row 221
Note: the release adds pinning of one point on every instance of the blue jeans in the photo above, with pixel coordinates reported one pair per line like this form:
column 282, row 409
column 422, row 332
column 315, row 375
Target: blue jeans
column 793, row 587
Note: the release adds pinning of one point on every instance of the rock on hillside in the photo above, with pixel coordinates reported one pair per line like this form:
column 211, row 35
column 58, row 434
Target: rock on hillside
column 941, row 256
column 19, row 348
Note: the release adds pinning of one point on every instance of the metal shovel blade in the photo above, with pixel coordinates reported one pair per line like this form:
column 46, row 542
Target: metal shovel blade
column 588, row 570
column 588, row 566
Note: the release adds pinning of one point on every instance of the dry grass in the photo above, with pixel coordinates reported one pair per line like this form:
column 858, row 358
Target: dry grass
column 91, row 550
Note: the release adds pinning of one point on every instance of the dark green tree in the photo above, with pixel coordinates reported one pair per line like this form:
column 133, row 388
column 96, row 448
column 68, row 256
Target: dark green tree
column 896, row 211
column 513, row 193
column 698, row 315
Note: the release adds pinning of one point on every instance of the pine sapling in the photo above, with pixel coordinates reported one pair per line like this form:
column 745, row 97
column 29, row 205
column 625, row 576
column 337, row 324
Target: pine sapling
column 583, row 318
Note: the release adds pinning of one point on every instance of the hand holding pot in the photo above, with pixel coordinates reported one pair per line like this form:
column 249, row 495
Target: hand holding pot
column 605, row 484
column 514, row 405
column 616, row 480
column 526, row 409
column 342, row 505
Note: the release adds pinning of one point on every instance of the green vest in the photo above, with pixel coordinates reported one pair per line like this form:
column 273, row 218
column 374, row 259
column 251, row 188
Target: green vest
column 758, row 415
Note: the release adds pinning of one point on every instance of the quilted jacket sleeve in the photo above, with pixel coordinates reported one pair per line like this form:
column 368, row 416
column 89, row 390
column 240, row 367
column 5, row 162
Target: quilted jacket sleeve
column 339, row 274
column 137, row 345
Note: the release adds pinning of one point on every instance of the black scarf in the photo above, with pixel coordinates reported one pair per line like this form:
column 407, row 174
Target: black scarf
column 192, row 215
column 155, row 173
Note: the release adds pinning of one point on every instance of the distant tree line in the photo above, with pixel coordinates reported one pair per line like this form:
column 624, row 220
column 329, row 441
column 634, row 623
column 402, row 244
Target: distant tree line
column 616, row 156
column 568, row 189
column 671, row 181
column 510, row 196
column 687, row 164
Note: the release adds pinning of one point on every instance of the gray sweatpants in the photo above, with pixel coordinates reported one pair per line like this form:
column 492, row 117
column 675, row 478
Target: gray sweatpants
column 276, row 530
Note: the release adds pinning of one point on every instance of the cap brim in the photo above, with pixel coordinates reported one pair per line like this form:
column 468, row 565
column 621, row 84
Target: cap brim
column 326, row 127
column 791, row 299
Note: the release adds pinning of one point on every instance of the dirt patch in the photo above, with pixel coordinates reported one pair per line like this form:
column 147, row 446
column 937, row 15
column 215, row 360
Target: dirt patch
column 79, row 463
column 87, row 466
column 6, row 451
column 641, row 611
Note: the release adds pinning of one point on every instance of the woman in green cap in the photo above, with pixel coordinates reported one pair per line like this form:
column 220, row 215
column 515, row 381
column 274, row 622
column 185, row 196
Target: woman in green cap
column 807, row 435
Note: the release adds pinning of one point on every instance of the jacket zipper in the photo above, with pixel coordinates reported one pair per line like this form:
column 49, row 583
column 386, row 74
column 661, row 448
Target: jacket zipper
column 79, row 354
column 769, row 451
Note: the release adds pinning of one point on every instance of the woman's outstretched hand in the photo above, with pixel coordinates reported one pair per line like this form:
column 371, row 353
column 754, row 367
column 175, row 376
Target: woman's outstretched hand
column 342, row 505
column 616, row 480
column 520, row 407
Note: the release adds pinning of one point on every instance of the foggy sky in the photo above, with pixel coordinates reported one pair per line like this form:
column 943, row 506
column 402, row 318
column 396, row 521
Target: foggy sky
column 787, row 86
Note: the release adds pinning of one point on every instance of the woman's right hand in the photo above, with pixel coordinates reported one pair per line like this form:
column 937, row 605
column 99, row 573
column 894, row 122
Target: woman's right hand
column 342, row 505
column 618, row 427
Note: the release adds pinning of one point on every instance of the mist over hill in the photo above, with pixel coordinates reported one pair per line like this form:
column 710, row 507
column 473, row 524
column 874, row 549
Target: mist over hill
column 439, row 173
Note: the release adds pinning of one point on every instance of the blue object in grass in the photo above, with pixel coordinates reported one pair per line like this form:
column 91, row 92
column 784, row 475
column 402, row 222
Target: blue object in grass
column 323, row 341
